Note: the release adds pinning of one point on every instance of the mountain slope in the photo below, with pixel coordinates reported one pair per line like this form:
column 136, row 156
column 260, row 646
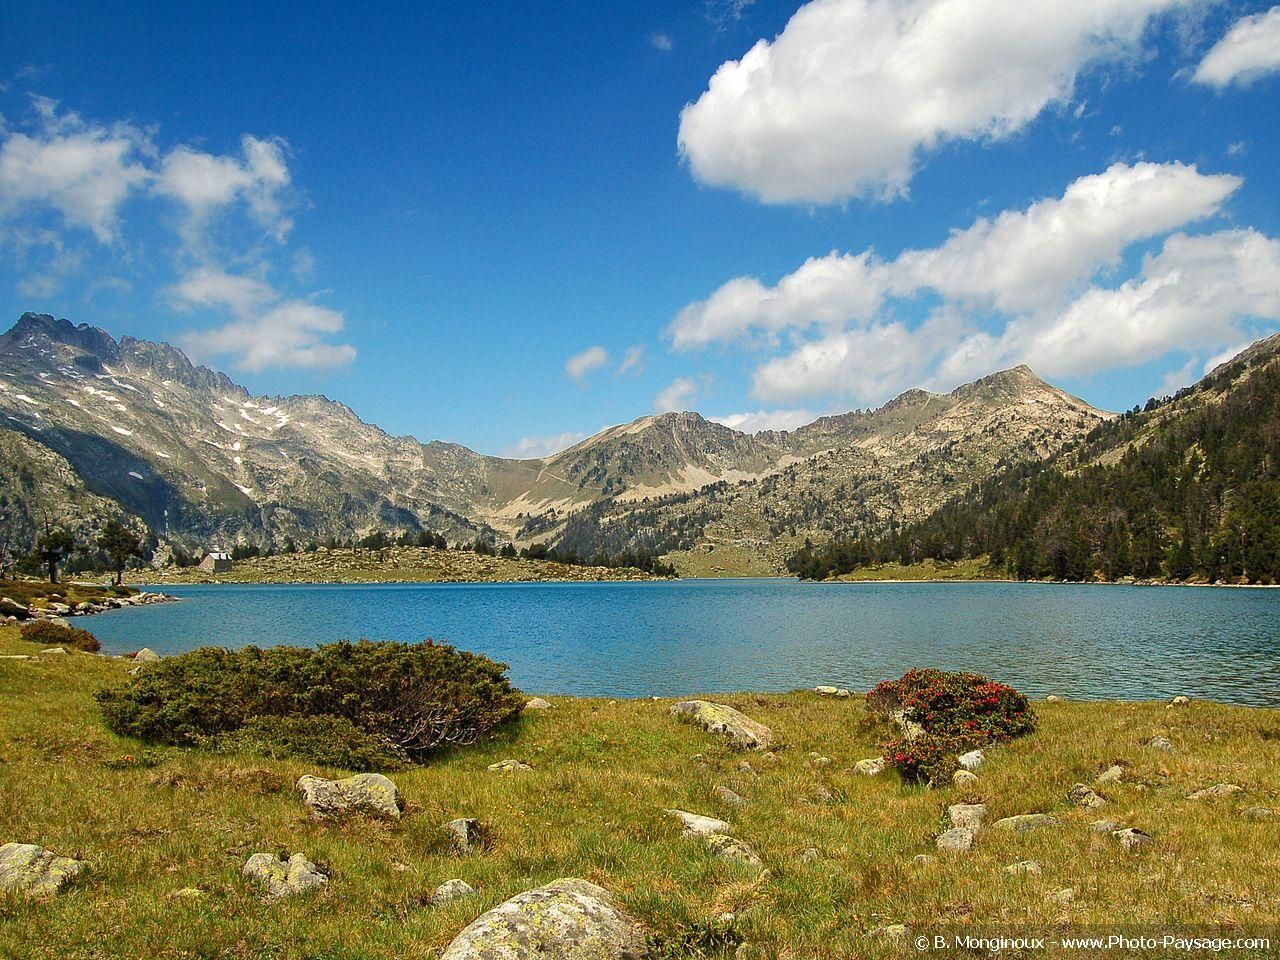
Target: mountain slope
column 202, row 462
column 1187, row 489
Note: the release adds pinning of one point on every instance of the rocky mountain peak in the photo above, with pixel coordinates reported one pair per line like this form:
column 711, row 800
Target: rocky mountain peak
column 37, row 327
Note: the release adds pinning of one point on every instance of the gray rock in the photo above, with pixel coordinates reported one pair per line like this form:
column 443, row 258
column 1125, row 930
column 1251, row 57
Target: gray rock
column 956, row 840
column 370, row 794
column 1257, row 813
column 696, row 825
column 964, row 778
column 924, row 859
column 570, row 920
column 1053, row 698
column 537, row 703
column 1180, row 701
column 1132, row 839
column 894, row 931
column 816, row 761
column 1083, row 795
column 1023, row 868
column 910, row 729
column 30, row 870
column 282, row 878
column 1216, row 792
column 971, row 760
column 828, row 691
column 1105, row 826
column 54, row 651
column 968, row 815
column 12, row 608
column 871, row 767
column 467, row 834
column 730, row 797
column 1161, row 743
column 737, row 852
column 1113, row 774
column 1026, row 821
column 810, row 855
column 452, row 890
column 740, row 730
column 745, row 768
column 508, row 766
column 1064, row 896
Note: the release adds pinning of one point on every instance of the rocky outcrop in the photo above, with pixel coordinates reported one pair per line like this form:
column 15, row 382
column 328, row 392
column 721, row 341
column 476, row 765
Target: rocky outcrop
column 452, row 890
column 569, row 920
column 967, row 814
column 368, row 794
column 956, row 840
column 30, row 870
column 740, row 730
column 284, row 878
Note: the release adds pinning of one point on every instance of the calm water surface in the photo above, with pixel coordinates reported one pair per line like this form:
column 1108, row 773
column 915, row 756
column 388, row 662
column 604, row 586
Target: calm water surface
column 689, row 636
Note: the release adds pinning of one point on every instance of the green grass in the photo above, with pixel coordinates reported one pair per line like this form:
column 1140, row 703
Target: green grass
column 153, row 821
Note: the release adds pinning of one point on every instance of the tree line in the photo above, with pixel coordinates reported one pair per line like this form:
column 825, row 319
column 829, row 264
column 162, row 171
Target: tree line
column 1185, row 489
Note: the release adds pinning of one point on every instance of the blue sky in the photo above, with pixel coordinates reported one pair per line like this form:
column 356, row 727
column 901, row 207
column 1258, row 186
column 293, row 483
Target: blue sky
column 493, row 224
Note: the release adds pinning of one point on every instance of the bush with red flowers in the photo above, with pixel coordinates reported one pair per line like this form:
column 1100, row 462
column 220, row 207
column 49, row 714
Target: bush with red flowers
column 956, row 711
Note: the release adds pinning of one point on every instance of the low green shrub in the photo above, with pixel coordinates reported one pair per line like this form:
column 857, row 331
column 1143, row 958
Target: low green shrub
column 956, row 712
column 385, row 701
column 51, row 634
column 326, row 740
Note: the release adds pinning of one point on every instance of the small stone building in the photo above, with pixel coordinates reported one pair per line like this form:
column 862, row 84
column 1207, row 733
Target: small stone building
column 216, row 563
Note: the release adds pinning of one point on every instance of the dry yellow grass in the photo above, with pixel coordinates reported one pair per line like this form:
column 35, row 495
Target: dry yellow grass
column 154, row 821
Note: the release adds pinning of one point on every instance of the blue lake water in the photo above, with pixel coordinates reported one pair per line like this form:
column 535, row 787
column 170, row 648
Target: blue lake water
column 707, row 636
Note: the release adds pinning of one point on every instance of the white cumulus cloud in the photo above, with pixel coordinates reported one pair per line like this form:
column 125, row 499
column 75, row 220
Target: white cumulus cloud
column 537, row 448
column 1250, row 50
column 849, row 97
column 205, row 183
column 582, row 363
column 675, row 397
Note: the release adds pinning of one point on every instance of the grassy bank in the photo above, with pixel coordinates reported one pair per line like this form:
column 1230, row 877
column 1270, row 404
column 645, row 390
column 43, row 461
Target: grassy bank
column 154, row 821
column 39, row 593
column 391, row 565
column 977, row 569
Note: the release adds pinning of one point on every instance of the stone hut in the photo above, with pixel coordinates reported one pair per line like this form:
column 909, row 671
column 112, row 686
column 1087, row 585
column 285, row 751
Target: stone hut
column 216, row 563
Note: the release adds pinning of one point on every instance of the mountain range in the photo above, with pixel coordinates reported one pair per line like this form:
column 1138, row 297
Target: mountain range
column 94, row 427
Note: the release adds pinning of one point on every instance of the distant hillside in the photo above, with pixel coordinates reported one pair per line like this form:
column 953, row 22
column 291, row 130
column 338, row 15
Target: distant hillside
column 1187, row 489
column 96, row 425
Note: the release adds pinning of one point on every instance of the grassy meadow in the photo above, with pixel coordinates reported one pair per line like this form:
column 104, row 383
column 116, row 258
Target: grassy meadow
column 153, row 821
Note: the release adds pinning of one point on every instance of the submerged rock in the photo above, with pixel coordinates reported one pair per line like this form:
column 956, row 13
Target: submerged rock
column 283, row 878
column 740, row 730
column 370, row 794
column 30, row 870
column 569, row 919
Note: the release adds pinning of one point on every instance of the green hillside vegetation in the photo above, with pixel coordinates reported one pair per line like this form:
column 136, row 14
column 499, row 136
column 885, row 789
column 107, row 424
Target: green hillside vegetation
column 1187, row 489
column 840, row 848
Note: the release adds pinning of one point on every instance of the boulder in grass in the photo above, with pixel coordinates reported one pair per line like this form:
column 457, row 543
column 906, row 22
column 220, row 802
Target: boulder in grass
column 537, row 703
column 467, row 835
column 30, row 870
column 829, row 691
column 1024, row 868
column 1216, row 792
column 696, row 825
column 284, row 878
column 452, row 890
column 569, row 919
column 1161, row 743
column 964, row 778
column 971, row 760
column 1082, row 795
column 1132, row 839
column 740, row 730
column 369, row 794
column 734, row 851
column 871, row 767
column 730, row 797
column 968, row 815
column 1027, row 821
column 508, row 766
column 1113, row 774
column 956, row 840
